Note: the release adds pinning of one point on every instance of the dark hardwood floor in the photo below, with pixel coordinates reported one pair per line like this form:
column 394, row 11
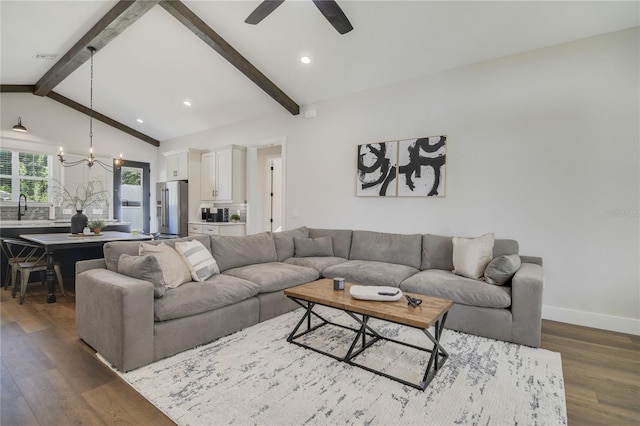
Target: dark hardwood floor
column 50, row 377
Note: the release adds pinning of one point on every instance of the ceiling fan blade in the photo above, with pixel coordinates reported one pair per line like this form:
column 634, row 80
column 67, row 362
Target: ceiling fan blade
column 262, row 11
column 334, row 15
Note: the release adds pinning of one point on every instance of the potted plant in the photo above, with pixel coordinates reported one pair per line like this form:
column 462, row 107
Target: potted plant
column 85, row 195
column 96, row 225
column 234, row 218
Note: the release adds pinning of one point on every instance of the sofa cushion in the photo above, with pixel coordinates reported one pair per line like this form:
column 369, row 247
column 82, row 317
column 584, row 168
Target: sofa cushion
column 501, row 269
column 194, row 298
column 274, row 276
column 113, row 249
column 233, row 252
column 370, row 272
column 505, row 247
column 400, row 249
column 198, row 259
column 341, row 239
column 464, row 291
column 437, row 251
column 205, row 240
column 174, row 271
column 313, row 247
column 317, row 263
column 285, row 247
column 144, row 268
column 472, row 255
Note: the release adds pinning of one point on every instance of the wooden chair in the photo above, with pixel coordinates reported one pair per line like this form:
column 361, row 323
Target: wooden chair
column 35, row 260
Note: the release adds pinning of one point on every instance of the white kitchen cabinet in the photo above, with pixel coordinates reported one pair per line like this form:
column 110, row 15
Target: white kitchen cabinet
column 177, row 165
column 195, row 228
column 233, row 229
column 223, row 175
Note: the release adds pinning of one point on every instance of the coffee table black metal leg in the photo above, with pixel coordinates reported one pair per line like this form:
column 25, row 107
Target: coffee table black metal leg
column 438, row 351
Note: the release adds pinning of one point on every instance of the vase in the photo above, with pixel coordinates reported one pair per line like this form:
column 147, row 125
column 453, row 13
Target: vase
column 78, row 222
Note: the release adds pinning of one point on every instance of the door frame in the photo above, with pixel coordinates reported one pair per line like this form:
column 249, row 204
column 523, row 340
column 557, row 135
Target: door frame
column 253, row 181
column 146, row 189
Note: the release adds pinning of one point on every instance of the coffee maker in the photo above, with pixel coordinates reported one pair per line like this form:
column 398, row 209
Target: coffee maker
column 205, row 210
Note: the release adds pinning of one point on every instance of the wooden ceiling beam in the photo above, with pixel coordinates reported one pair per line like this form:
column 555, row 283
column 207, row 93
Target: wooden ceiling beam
column 101, row 117
column 182, row 13
column 123, row 14
column 29, row 88
column 17, row 88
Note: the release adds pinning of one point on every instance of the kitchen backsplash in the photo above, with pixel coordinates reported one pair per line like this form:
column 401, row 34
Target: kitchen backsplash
column 239, row 209
column 39, row 213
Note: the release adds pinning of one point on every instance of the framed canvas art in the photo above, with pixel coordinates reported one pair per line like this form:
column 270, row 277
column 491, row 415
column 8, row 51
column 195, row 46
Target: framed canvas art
column 377, row 170
column 422, row 167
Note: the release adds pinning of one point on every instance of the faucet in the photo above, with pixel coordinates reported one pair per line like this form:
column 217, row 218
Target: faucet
column 20, row 214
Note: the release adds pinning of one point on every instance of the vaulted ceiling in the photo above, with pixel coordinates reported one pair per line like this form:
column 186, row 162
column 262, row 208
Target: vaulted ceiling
column 158, row 61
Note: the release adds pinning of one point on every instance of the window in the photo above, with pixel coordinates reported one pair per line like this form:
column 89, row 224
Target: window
column 25, row 173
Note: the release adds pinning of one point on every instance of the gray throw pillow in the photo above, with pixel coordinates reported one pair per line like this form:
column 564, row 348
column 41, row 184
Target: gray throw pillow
column 144, row 268
column 501, row 269
column 313, row 247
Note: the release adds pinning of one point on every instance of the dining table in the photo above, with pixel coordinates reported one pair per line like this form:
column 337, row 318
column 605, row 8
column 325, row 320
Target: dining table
column 55, row 242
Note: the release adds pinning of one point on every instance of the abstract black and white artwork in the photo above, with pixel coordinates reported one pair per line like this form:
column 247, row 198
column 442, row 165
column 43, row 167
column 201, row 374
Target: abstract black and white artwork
column 422, row 167
column 377, row 169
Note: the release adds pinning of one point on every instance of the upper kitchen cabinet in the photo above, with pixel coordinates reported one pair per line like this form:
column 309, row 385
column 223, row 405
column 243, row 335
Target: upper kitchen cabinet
column 223, row 175
column 177, row 165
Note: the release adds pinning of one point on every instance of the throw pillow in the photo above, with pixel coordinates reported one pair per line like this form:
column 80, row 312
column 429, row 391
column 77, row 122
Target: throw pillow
column 198, row 259
column 313, row 247
column 472, row 255
column 174, row 271
column 144, row 268
column 501, row 269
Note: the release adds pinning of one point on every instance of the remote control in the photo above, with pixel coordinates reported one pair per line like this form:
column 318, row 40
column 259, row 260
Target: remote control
column 386, row 293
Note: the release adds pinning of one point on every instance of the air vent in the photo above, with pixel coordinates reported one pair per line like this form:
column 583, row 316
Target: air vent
column 46, row 56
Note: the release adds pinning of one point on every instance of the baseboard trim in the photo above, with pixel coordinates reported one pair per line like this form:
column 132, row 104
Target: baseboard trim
column 591, row 319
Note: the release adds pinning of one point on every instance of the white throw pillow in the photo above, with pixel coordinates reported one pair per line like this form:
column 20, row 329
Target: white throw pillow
column 198, row 259
column 472, row 255
column 174, row 270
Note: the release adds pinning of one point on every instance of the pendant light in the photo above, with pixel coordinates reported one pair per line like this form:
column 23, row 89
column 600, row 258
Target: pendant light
column 19, row 127
column 91, row 160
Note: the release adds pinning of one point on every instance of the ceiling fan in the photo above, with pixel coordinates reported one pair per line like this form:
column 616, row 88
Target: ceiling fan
column 329, row 9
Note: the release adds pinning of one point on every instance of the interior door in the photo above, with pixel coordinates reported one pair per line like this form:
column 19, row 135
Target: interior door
column 132, row 195
column 274, row 193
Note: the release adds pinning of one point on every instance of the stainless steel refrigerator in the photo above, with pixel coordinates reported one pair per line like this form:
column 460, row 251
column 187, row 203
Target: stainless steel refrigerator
column 172, row 208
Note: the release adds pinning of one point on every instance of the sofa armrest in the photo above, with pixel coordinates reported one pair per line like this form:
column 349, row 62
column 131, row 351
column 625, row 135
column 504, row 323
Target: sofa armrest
column 114, row 315
column 526, row 304
column 85, row 265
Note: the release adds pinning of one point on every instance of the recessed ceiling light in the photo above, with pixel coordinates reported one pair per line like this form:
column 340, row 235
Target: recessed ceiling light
column 187, row 102
column 139, row 120
column 305, row 60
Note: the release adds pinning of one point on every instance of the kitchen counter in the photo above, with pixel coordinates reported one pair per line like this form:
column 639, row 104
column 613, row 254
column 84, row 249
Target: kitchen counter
column 46, row 223
column 217, row 228
column 202, row 222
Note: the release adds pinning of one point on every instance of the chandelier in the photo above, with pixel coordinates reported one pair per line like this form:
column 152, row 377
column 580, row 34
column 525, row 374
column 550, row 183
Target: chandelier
column 91, row 160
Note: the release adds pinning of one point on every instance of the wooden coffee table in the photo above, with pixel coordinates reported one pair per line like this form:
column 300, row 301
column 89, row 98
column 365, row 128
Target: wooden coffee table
column 432, row 312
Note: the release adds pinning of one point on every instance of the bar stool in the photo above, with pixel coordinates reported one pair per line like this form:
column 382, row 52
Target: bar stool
column 36, row 261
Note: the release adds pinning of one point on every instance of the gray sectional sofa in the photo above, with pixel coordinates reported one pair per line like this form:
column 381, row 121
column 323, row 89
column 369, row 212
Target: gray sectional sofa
column 119, row 316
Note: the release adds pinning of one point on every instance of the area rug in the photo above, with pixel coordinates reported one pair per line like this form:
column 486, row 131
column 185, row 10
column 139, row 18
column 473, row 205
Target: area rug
column 255, row 377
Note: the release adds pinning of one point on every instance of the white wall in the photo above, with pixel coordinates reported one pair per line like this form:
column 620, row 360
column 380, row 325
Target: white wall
column 51, row 125
column 543, row 147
